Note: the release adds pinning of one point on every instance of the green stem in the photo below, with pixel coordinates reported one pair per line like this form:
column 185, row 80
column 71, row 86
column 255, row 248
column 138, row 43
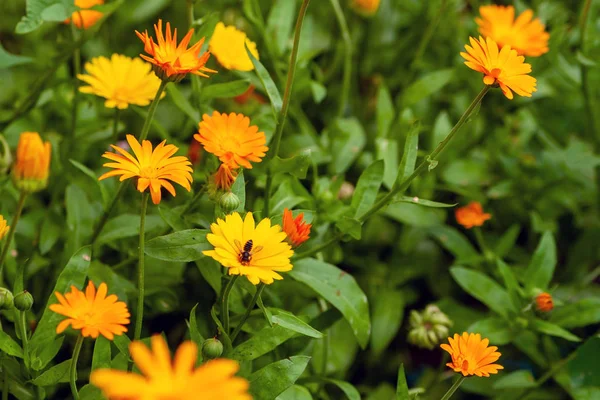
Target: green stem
column 139, row 318
column 73, row 368
column 238, row 328
column 24, row 338
column 190, row 204
column 5, row 382
column 286, row 102
column 585, row 83
column 453, row 389
column 225, row 303
column 115, row 131
column 76, row 72
column 152, row 110
column 426, row 38
column 107, row 212
column 190, row 13
column 11, row 232
column 348, row 50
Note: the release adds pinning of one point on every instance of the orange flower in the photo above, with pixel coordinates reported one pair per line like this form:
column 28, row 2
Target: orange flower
column 32, row 164
column 92, row 312
column 471, row 215
column 504, row 68
column 366, row 8
column 471, row 355
column 225, row 177
column 232, row 139
column 525, row 34
column 85, row 18
column 544, row 302
column 296, row 229
column 170, row 61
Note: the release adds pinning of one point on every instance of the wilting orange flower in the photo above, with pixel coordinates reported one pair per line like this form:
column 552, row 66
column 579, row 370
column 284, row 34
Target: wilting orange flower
column 94, row 313
column 544, row 302
column 296, row 229
column 366, row 8
column 471, row 215
column 228, row 45
column 232, row 139
column 164, row 378
column 4, row 228
column 471, row 355
column 32, row 163
column 504, row 68
column 225, row 177
column 170, row 61
column 85, row 18
column 154, row 168
column 525, row 34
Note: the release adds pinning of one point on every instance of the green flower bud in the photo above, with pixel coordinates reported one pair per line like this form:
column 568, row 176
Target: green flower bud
column 212, row 348
column 24, row 301
column 5, row 156
column 229, row 202
column 6, row 299
column 428, row 327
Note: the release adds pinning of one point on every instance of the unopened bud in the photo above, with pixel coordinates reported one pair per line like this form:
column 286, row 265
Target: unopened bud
column 212, row 348
column 428, row 327
column 6, row 299
column 229, row 202
column 24, row 301
column 544, row 302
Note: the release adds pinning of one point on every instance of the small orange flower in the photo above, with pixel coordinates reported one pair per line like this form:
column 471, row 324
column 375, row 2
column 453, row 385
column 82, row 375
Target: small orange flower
column 366, row 8
column 4, row 228
column 170, row 61
column 85, row 18
column 471, row 215
column 471, row 355
column 296, row 229
column 225, row 177
column 544, row 302
column 94, row 313
column 32, row 164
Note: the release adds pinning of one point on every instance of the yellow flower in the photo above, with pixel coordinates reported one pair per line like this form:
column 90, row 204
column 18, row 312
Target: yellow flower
column 121, row 80
column 504, row 68
column 164, row 378
column 85, row 18
column 154, row 168
column 170, row 61
column 525, row 34
column 366, row 8
column 32, row 163
column 227, row 45
column 256, row 252
column 232, row 139
column 4, row 228
column 471, row 355
column 94, row 313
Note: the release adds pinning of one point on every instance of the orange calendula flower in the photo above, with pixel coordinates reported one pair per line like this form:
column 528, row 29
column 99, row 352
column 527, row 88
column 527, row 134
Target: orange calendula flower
column 228, row 43
column 164, row 378
column 92, row 312
column 296, row 229
column 544, row 302
column 471, row 215
column 366, row 8
column 504, row 68
column 525, row 34
column 85, row 18
column 471, row 355
column 231, row 138
column 153, row 168
column 225, row 177
column 4, row 228
column 172, row 62
column 32, row 163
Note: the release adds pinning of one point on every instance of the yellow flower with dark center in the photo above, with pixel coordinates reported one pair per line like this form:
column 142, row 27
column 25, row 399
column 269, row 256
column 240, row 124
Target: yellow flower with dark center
column 85, row 18
column 366, row 8
column 258, row 252
column 153, row 168
column 227, row 45
column 170, row 61
column 32, row 163
column 471, row 355
column 504, row 68
column 121, row 80
column 92, row 312
column 525, row 35
column 4, row 228
column 178, row 379
column 232, row 139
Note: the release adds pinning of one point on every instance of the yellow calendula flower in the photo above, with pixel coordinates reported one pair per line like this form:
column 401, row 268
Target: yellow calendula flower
column 366, row 8
column 4, row 228
column 471, row 355
column 504, row 67
column 121, row 80
column 163, row 378
column 153, row 168
column 32, row 163
column 227, row 45
column 85, row 18
column 92, row 312
column 172, row 62
column 525, row 34
column 258, row 252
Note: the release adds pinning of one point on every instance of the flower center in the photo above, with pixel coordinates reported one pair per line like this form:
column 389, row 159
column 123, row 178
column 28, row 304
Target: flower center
column 148, row 172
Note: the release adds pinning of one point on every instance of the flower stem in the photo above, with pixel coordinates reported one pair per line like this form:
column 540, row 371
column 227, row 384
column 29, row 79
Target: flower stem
column 225, row 303
column 453, row 389
column 286, row 102
column 24, row 338
column 426, row 38
column 76, row 71
column 585, row 84
column 5, row 382
column 190, row 13
column 238, row 328
column 348, row 50
column 107, row 213
column 11, row 232
column 115, row 131
column 152, row 110
column 73, row 368
column 139, row 318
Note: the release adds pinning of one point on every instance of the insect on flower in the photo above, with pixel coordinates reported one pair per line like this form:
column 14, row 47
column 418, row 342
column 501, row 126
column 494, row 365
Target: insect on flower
column 246, row 252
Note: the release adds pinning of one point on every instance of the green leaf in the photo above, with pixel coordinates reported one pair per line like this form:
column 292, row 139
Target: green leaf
column 239, row 189
column 193, row 327
column 90, row 174
column 401, row 385
column 297, row 165
column 182, row 246
column 90, row 392
column 225, row 90
column 423, row 202
column 348, row 138
column 576, row 315
column 56, row 374
column 425, row 86
column 268, row 84
column 350, row 226
column 483, row 289
column 387, row 150
column 252, row 11
column 270, row 381
column 262, row 342
column 182, row 103
column 388, row 310
column 521, row 379
column 541, row 268
column 340, row 289
column 279, row 24
column 497, row 330
column 412, row 214
column 38, row 11
column 385, row 111
column 295, row 392
column 47, row 352
column 9, row 346
column 8, row 60
column 122, row 342
column 511, row 284
column 102, row 356
column 205, row 27
column 583, row 369
column 507, row 241
column 285, row 197
column 127, row 225
column 291, row 322
column 409, row 154
column 454, row 241
column 552, row 329
column 367, row 188
column 349, row 390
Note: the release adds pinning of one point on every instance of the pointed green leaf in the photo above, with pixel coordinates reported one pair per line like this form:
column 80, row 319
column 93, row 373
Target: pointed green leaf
column 239, row 189
column 511, row 284
column 454, row 241
column 9, row 346
column 409, row 154
column 262, row 342
column 552, row 329
column 8, row 60
column 541, row 268
column 270, row 381
column 385, row 111
column 575, row 315
column 349, row 390
column 297, row 165
column 367, row 188
column 291, row 322
column 350, row 226
column 401, row 385
column 182, row 246
column 425, row 86
column 423, row 202
column 279, row 25
column 521, row 379
column 56, row 374
column 269, row 85
column 483, row 289
column 102, row 356
column 182, row 103
column 388, row 310
column 387, row 150
column 497, row 330
column 225, row 90
column 193, row 327
column 348, row 138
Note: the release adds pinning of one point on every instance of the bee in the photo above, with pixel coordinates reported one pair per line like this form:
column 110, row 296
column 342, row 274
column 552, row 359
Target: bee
column 247, row 251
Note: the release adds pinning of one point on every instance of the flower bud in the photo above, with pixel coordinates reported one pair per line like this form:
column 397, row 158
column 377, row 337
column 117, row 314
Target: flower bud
column 32, row 163
column 229, row 202
column 6, row 299
column 212, row 348
column 24, row 301
column 428, row 327
column 5, row 156
column 366, row 8
column 544, row 302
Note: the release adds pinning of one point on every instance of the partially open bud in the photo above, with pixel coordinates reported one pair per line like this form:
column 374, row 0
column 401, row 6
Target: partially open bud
column 5, row 156
column 296, row 229
column 212, row 348
column 24, row 301
column 32, row 163
column 544, row 302
column 229, row 202
column 428, row 327
column 6, row 299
